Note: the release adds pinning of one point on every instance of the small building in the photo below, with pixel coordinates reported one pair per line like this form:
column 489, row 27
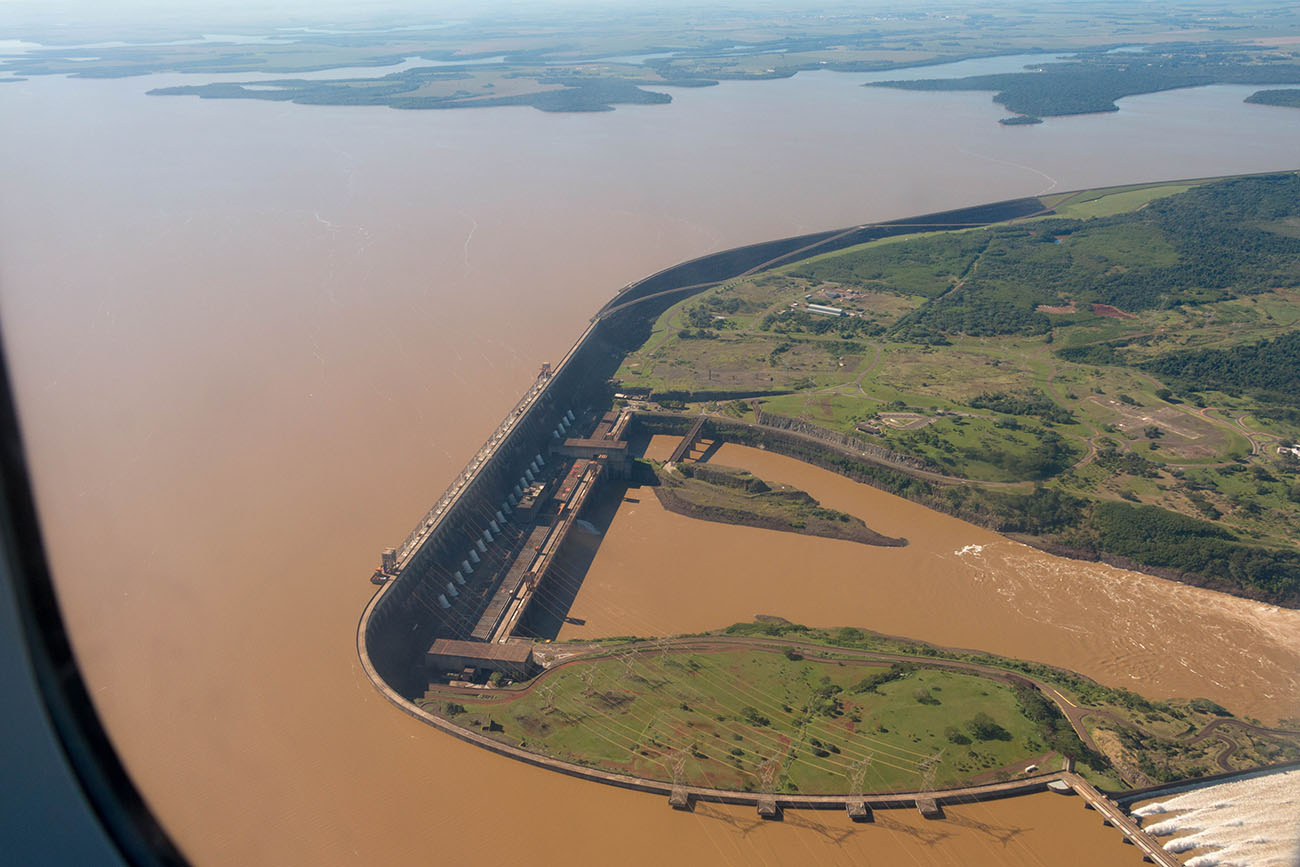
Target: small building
column 514, row 659
column 825, row 310
column 564, row 492
column 530, row 503
column 613, row 452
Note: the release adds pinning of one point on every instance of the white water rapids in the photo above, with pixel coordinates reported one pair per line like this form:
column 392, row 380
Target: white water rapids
column 1247, row 823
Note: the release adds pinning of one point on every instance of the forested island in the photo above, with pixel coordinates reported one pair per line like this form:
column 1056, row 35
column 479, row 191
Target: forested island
column 1092, row 81
column 1114, row 378
column 565, row 61
column 1284, row 98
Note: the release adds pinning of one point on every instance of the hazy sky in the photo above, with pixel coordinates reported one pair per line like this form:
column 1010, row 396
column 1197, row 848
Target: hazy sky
column 158, row 14
column 183, row 16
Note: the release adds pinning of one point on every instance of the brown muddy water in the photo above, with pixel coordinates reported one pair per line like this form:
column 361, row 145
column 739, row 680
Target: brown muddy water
column 254, row 341
column 955, row 584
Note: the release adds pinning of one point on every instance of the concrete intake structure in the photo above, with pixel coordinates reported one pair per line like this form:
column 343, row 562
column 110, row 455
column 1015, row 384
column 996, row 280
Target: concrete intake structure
column 409, row 610
column 402, row 624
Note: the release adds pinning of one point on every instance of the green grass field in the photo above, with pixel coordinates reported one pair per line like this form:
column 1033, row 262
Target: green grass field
column 729, row 714
column 828, row 707
column 1117, row 201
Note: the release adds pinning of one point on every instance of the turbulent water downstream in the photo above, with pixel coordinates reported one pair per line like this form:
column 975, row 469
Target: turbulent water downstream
column 254, row 341
column 955, row 584
column 1250, row 822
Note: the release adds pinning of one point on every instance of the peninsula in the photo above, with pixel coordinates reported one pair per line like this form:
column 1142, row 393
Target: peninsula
column 734, row 496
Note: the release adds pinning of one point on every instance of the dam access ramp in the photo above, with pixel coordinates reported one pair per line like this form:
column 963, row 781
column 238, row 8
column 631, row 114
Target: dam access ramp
column 688, row 442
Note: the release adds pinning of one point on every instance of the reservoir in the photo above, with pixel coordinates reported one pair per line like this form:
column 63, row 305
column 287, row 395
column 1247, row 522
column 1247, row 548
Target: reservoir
column 253, row 342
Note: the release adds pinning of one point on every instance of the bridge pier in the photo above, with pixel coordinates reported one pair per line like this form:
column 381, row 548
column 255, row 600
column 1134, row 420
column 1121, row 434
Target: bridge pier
column 929, row 808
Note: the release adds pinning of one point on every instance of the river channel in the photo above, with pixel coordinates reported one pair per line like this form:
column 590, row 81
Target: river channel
column 956, row 585
column 254, row 341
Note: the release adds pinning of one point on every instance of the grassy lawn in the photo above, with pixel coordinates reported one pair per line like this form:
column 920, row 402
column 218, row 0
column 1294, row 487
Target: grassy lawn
column 760, row 718
column 837, row 411
column 731, row 715
column 1084, row 205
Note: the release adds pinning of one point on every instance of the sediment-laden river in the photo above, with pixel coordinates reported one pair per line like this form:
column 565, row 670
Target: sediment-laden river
column 253, row 341
column 955, row 584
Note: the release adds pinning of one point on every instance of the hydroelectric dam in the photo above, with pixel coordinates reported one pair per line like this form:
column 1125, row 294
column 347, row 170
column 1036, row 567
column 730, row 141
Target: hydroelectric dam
column 455, row 593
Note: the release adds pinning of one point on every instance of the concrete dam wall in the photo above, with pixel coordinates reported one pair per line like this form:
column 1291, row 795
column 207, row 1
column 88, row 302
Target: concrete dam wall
column 407, row 615
column 435, row 584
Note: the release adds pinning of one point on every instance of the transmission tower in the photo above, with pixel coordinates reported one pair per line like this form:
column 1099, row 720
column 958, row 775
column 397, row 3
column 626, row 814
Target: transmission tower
column 767, row 773
column 929, row 768
column 858, row 775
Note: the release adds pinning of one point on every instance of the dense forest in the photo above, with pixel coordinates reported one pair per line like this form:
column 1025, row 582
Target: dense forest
column 926, row 266
column 1284, row 98
column 1145, row 536
column 1206, row 245
column 1157, row 537
column 1095, row 353
column 1030, row 401
column 397, row 91
column 1091, row 83
column 1269, row 370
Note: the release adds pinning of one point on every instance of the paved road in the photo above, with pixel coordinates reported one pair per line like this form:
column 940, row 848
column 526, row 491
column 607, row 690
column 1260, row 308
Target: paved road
column 1118, row 818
